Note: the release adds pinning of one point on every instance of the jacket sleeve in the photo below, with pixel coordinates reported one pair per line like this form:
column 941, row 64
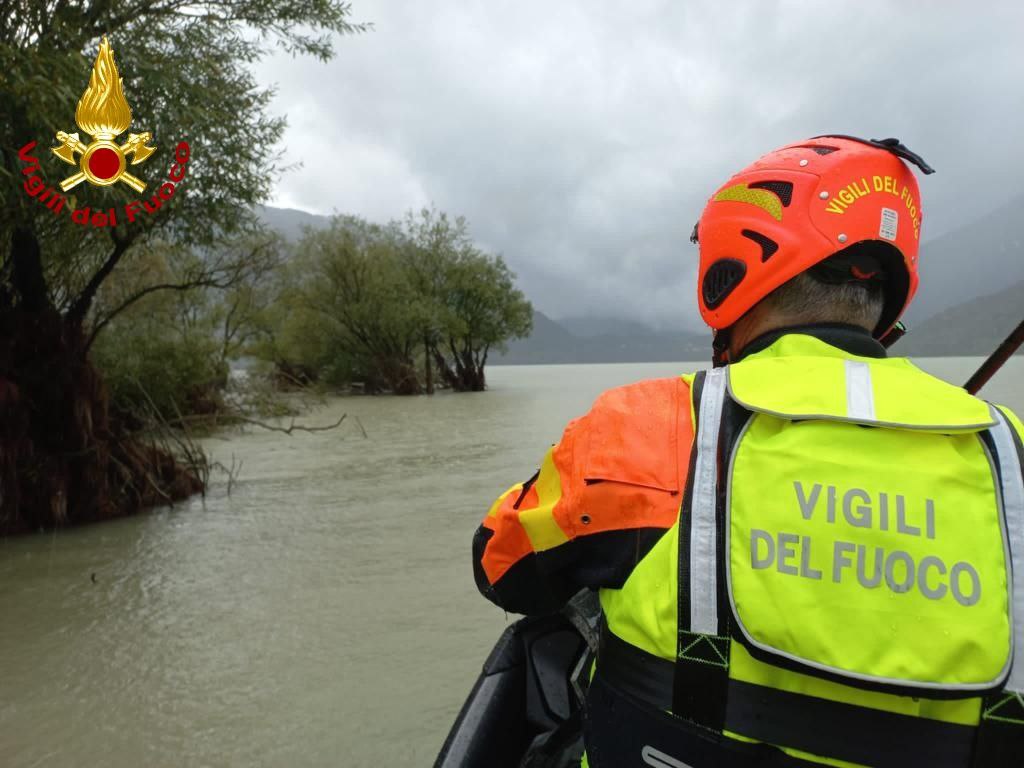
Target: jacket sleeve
column 603, row 496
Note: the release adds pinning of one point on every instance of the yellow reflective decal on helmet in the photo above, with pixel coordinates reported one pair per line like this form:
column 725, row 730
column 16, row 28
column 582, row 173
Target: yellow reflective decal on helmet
column 762, row 198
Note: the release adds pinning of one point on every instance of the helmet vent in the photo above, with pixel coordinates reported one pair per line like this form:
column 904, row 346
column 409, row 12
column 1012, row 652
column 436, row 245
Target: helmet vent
column 819, row 150
column 783, row 189
column 768, row 246
column 720, row 280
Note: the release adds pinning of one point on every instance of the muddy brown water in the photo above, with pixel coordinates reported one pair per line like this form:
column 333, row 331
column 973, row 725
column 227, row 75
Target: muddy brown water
column 323, row 613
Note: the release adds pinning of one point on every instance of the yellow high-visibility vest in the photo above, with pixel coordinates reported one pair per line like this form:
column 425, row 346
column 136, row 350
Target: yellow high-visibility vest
column 844, row 551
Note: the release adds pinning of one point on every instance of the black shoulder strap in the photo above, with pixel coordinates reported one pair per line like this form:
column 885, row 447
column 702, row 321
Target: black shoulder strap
column 702, row 652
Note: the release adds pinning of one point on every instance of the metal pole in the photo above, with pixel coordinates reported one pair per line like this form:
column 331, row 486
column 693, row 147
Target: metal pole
column 996, row 359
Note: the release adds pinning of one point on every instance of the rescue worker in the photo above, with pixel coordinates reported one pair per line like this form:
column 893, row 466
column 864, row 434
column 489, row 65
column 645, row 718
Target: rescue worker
column 804, row 555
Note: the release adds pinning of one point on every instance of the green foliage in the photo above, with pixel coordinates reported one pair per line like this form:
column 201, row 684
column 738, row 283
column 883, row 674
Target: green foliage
column 380, row 305
column 475, row 304
column 187, row 75
column 148, row 369
column 159, row 357
column 350, row 312
column 168, row 354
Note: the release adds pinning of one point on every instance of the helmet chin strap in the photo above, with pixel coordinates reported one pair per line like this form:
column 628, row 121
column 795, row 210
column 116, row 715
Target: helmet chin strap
column 720, row 347
column 894, row 334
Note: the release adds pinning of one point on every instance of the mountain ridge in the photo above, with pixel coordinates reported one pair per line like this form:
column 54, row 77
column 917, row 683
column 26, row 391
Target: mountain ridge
column 552, row 343
column 977, row 259
column 973, row 327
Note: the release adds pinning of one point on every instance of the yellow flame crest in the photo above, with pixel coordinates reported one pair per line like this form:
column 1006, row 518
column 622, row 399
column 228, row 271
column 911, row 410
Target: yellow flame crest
column 103, row 111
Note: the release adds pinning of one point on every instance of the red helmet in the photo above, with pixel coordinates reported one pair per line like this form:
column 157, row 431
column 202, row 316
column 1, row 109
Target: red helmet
column 799, row 205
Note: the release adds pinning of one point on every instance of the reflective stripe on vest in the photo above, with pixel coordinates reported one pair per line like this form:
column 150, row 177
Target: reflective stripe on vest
column 1013, row 510
column 860, row 399
column 704, row 509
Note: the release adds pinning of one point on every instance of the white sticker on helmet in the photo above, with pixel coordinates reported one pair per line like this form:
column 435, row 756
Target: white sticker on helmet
column 887, row 229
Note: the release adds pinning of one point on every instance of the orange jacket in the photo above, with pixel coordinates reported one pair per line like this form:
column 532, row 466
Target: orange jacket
column 601, row 499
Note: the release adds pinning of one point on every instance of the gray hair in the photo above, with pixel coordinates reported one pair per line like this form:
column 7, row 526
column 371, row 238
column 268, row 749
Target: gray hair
column 807, row 299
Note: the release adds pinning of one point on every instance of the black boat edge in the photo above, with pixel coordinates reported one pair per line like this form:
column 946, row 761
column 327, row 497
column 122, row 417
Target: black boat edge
column 525, row 709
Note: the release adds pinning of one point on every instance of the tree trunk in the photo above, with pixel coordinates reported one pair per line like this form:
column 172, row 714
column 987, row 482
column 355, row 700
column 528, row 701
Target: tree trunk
column 464, row 373
column 401, row 376
column 445, row 372
column 426, row 365
column 62, row 461
column 471, row 375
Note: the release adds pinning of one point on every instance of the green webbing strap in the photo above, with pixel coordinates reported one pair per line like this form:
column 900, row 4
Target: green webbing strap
column 1004, row 708
column 1000, row 739
column 702, row 680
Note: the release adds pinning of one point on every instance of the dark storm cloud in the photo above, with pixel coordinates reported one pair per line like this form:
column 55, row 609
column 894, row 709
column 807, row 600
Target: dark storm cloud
column 581, row 138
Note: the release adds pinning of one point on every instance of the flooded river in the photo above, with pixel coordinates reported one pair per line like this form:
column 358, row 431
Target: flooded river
column 323, row 613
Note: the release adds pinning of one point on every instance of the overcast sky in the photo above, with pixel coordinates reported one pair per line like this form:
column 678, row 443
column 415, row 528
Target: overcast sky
column 581, row 138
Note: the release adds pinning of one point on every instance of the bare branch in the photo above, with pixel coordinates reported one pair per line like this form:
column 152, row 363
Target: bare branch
column 293, row 427
column 107, row 317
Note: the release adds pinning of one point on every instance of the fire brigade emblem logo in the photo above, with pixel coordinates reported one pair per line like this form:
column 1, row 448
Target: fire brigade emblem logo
column 104, row 114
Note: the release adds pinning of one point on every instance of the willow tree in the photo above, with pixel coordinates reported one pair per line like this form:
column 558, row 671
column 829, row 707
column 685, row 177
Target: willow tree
column 471, row 301
column 353, row 293
column 187, row 75
column 435, row 242
column 367, row 303
column 482, row 310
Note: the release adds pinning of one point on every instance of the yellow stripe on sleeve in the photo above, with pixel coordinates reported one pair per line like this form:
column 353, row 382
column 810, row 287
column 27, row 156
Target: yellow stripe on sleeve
column 539, row 521
column 516, row 489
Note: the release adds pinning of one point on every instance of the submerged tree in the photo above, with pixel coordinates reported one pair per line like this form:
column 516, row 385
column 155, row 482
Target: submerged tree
column 473, row 303
column 483, row 310
column 352, row 292
column 368, row 303
column 186, row 70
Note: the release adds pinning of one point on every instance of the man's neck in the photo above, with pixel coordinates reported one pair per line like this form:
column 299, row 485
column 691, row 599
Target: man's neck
column 850, row 338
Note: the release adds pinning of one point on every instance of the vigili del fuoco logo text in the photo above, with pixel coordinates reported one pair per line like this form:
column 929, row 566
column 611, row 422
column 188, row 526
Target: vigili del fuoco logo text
column 103, row 114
